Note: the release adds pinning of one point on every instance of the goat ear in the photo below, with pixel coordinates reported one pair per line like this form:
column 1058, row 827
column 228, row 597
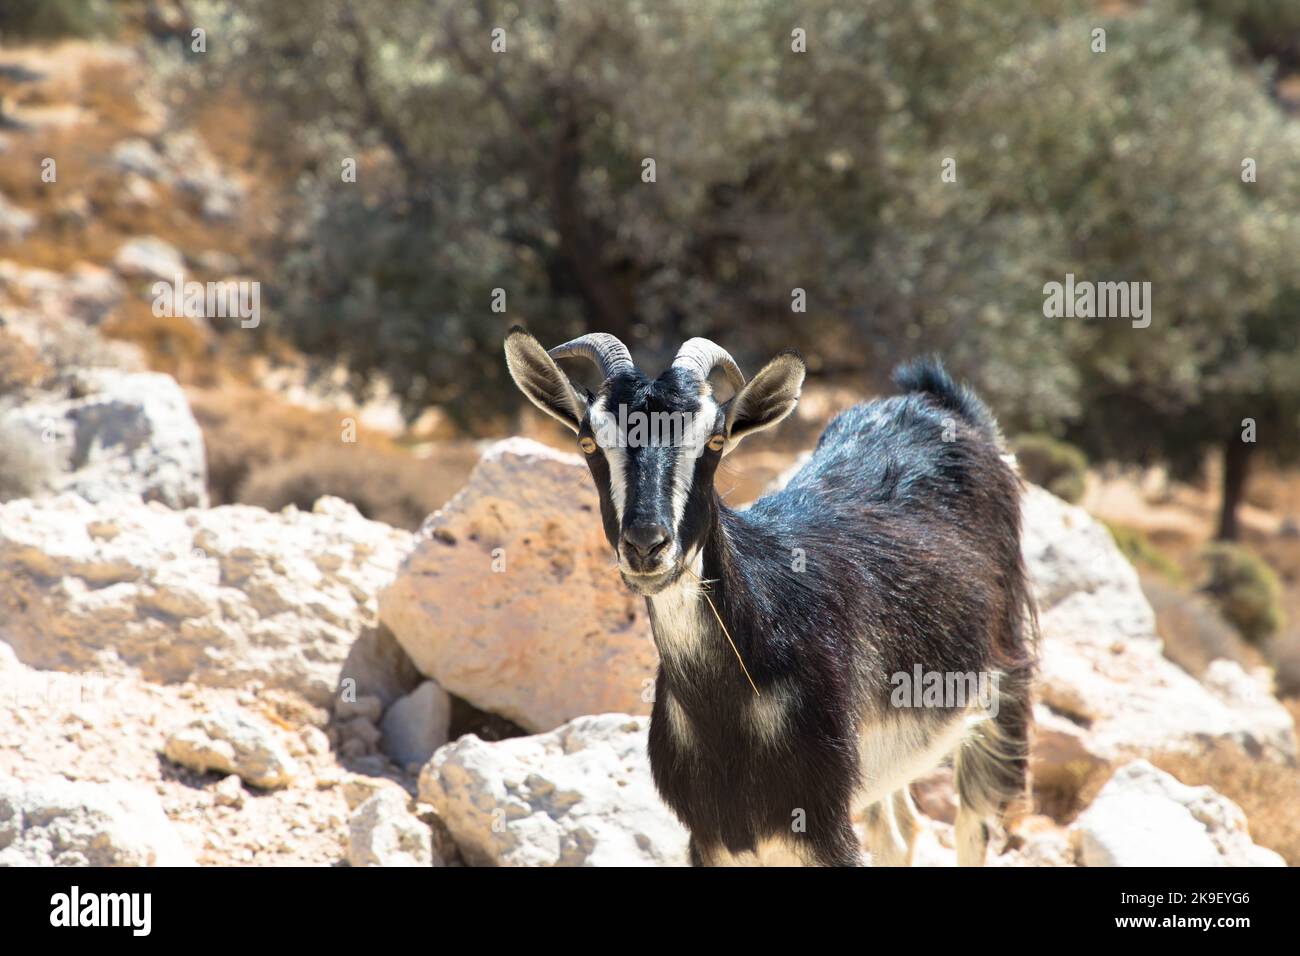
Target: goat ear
column 766, row 398
column 541, row 379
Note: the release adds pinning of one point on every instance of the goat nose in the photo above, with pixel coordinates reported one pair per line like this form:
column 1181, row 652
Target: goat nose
column 646, row 539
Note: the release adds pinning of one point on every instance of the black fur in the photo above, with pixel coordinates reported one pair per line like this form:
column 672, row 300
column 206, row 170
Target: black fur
column 913, row 556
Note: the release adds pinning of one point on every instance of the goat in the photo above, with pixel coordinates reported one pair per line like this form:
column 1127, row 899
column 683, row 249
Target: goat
column 894, row 550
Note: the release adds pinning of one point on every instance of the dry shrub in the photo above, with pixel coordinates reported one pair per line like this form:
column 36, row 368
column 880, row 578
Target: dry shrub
column 111, row 91
column 87, row 181
column 21, row 366
column 1141, row 551
column 1266, row 791
column 82, row 216
column 71, row 347
column 261, row 450
column 391, row 487
column 1055, row 465
column 1245, row 589
column 83, row 179
column 54, row 19
column 171, row 344
column 246, row 428
column 227, row 122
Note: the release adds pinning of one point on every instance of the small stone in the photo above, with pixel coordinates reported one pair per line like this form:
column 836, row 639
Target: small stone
column 363, row 729
column 353, row 749
column 230, row 791
column 315, row 740
column 372, row 764
column 328, row 779
column 382, row 832
column 368, row 706
column 581, row 795
column 231, row 742
column 358, row 789
column 416, row 725
column 104, row 530
column 149, row 257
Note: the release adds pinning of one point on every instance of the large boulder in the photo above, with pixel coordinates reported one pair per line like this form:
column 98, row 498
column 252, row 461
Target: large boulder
column 377, row 668
column 132, row 435
column 232, row 597
column 581, row 795
column 1109, row 690
column 1145, row 817
column 58, row 823
column 512, row 601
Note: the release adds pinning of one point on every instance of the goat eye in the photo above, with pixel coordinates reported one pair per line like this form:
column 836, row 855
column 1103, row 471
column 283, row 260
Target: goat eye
column 587, row 444
column 716, row 442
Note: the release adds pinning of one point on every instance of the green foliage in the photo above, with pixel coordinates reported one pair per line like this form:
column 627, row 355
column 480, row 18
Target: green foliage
column 1134, row 544
column 1055, row 465
column 1246, row 590
column 1268, row 28
column 522, row 171
column 1137, row 162
column 51, row 19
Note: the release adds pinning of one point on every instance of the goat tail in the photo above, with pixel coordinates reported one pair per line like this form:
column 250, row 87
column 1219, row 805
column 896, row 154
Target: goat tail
column 928, row 376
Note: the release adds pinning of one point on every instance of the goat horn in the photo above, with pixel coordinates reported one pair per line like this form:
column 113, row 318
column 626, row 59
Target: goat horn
column 610, row 355
column 702, row 356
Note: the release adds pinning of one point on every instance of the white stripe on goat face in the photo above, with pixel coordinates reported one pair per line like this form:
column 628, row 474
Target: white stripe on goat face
column 696, row 434
column 688, row 441
column 604, row 427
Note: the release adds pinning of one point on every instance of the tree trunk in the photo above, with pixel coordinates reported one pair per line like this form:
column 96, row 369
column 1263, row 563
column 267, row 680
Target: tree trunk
column 1236, row 460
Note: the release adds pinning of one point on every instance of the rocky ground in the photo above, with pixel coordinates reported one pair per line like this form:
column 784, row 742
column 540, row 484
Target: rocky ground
column 195, row 659
column 107, row 736
column 227, row 685
column 231, row 686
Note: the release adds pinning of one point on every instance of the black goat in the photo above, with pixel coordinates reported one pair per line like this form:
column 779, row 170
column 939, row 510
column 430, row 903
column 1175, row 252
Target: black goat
column 790, row 633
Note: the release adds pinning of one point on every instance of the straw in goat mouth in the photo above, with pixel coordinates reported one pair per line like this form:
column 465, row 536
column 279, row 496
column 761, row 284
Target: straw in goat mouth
column 704, row 590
